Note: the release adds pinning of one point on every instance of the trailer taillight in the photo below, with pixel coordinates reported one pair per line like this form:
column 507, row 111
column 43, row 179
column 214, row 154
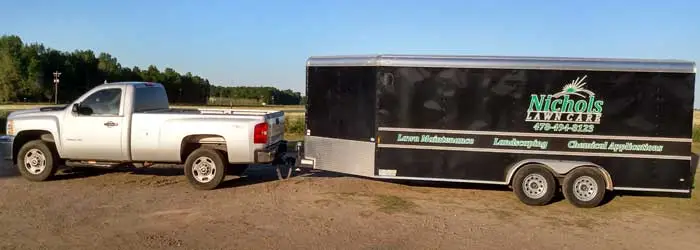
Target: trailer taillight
column 260, row 133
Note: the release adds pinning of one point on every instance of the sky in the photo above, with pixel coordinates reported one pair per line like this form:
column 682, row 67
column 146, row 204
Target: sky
column 237, row 42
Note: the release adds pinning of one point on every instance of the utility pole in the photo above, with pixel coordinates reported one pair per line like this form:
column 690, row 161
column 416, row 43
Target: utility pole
column 56, row 80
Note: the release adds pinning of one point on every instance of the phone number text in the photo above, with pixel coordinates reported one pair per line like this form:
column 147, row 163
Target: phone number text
column 563, row 127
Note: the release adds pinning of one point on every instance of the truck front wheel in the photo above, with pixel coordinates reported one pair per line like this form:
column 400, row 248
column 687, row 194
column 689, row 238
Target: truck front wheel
column 205, row 168
column 37, row 161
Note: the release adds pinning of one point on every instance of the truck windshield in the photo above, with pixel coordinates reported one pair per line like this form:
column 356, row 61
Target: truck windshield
column 148, row 98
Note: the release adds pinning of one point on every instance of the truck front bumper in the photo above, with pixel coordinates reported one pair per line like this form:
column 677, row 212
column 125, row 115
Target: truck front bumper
column 271, row 154
column 6, row 147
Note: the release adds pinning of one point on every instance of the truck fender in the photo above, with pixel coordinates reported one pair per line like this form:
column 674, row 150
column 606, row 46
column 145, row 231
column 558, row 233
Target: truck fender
column 559, row 167
column 44, row 128
column 215, row 141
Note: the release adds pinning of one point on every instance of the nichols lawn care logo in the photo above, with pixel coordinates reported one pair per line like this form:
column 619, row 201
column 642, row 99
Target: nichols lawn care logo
column 573, row 109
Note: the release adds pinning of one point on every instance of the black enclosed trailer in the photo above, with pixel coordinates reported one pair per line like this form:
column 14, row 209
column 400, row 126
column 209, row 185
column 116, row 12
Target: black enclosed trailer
column 587, row 125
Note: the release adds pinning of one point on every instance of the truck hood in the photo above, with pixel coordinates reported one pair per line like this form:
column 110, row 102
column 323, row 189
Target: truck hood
column 35, row 111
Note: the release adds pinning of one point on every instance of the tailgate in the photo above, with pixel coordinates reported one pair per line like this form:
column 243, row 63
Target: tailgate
column 274, row 120
column 276, row 124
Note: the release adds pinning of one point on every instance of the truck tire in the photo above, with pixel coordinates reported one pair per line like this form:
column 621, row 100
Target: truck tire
column 584, row 187
column 534, row 185
column 37, row 161
column 205, row 168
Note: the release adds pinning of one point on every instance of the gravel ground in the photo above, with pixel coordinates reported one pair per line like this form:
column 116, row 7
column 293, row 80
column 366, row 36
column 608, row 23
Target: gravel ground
column 156, row 209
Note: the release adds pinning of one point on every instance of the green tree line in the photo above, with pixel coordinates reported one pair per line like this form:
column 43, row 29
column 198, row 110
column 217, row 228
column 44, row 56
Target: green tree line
column 269, row 95
column 26, row 75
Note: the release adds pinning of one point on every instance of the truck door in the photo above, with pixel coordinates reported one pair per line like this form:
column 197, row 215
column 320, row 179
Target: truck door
column 97, row 136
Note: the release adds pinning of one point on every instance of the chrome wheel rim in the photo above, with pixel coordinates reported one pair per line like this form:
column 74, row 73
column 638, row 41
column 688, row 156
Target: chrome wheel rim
column 585, row 188
column 35, row 161
column 535, row 186
column 204, row 169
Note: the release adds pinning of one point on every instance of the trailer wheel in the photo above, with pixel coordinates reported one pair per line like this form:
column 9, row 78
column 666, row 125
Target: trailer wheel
column 205, row 168
column 534, row 185
column 37, row 161
column 584, row 187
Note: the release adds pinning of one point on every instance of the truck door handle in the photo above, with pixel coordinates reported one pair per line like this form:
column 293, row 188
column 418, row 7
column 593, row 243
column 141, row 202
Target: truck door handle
column 110, row 124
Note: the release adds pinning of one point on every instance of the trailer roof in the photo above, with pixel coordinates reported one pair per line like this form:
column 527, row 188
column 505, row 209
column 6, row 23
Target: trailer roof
column 510, row 62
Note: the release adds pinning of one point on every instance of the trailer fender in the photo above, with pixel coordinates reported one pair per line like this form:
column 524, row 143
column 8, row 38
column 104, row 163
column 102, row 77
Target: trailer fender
column 559, row 167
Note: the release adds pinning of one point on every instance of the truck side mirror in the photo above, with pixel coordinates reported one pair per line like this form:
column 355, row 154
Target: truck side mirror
column 82, row 110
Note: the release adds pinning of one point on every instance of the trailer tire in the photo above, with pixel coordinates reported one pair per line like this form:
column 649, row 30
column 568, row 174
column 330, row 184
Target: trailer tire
column 205, row 168
column 534, row 185
column 37, row 161
column 584, row 187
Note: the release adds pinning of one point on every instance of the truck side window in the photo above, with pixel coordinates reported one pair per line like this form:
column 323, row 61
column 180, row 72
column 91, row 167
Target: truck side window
column 104, row 102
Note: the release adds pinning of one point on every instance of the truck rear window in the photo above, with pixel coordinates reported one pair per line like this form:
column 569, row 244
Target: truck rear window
column 149, row 98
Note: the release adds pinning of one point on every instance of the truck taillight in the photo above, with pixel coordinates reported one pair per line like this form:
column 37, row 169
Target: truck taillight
column 260, row 133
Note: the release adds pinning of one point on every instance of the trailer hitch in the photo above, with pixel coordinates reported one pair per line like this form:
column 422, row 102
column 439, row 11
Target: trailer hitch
column 289, row 162
column 286, row 166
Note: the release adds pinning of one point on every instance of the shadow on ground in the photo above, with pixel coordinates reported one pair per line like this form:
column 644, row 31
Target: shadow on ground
column 7, row 170
column 559, row 197
column 255, row 174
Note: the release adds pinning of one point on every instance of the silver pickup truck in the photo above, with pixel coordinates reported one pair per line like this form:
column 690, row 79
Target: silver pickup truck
column 131, row 122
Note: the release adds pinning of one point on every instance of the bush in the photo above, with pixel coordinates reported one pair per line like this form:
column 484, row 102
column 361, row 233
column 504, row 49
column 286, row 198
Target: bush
column 3, row 120
column 294, row 126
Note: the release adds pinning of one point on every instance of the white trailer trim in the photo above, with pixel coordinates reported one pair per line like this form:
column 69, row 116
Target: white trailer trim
column 576, row 136
column 506, row 62
column 541, row 152
column 684, row 191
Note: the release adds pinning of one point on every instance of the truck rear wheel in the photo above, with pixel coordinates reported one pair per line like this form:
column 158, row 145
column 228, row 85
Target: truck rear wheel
column 534, row 185
column 205, row 168
column 36, row 161
column 584, row 187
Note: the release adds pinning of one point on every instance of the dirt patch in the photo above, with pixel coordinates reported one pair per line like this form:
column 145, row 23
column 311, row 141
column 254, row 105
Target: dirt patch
column 394, row 204
column 156, row 209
